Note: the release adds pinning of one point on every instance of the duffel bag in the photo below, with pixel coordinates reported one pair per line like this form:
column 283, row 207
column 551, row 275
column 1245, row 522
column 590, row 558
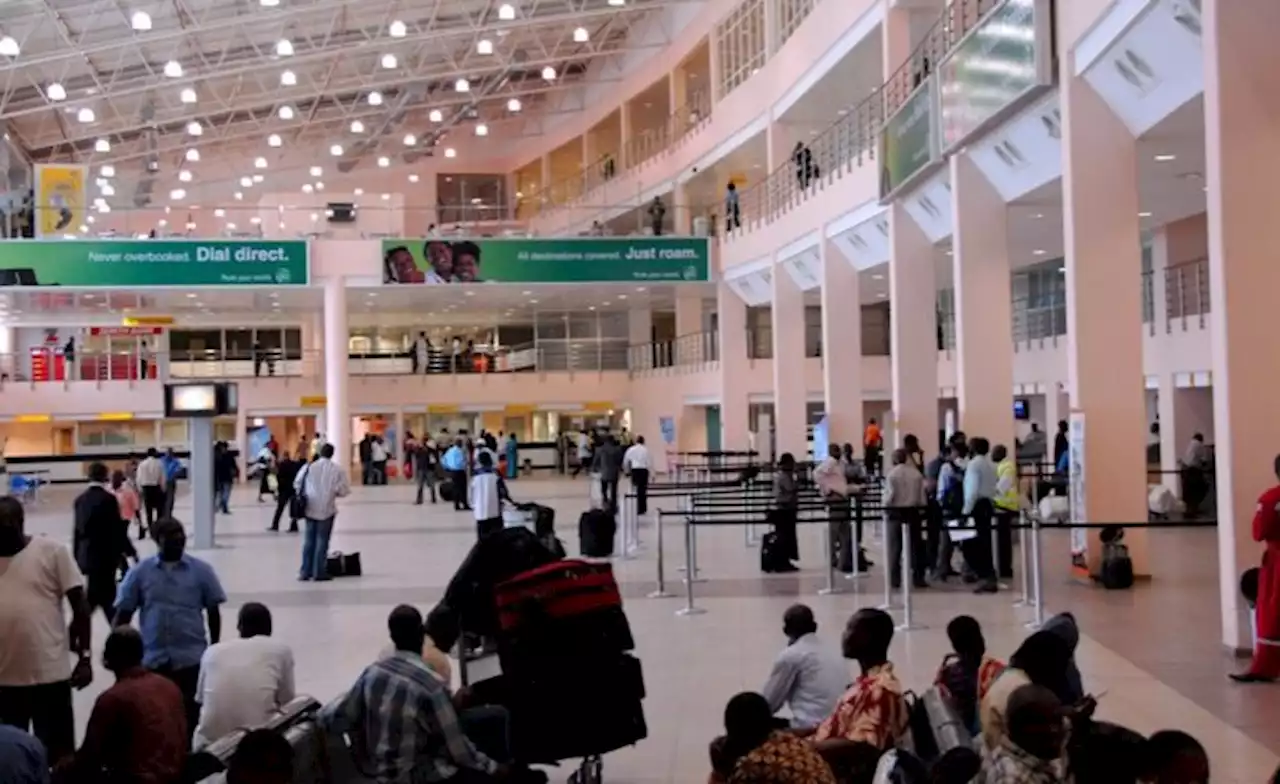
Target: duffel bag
column 557, row 591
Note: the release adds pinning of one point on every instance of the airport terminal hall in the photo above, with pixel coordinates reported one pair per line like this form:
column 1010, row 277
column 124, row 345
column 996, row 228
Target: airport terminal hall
column 639, row 392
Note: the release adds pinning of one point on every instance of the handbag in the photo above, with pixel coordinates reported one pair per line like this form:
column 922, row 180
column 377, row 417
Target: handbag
column 298, row 503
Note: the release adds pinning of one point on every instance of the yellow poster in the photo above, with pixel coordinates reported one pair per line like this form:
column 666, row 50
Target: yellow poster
column 61, row 192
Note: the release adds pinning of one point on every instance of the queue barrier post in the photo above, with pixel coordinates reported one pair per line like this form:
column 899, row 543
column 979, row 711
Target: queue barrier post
column 1024, row 564
column 627, row 512
column 908, row 544
column 888, row 584
column 1037, row 574
column 660, row 591
column 689, row 608
column 829, row 555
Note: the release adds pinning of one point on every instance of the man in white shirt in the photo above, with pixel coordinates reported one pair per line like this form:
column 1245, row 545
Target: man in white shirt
column 636, row 463
column 321, row 483
column 151, row 483
column 487, row 492
column 36, row 676
column 243, row 682
column 808, row 676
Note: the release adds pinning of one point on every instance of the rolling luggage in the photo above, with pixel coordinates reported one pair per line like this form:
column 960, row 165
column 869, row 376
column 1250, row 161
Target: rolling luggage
column 596, row 529
column 772, row 559
column 563, row 594
column 1117, row 566
column 446, row 490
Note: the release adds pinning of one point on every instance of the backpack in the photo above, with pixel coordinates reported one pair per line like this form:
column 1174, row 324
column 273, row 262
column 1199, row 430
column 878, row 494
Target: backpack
column 1117, row 566
column 924, row 745
column 952, row 500
column 960, row 686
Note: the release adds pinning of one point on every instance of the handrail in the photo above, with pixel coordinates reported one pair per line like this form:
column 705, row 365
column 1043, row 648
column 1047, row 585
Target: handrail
column 695, row 348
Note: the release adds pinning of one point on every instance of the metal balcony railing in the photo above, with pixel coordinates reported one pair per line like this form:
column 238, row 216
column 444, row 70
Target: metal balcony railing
column 1186, row 294
column 697, row 348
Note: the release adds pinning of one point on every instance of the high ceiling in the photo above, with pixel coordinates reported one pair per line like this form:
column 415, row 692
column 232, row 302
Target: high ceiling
column 138, row 84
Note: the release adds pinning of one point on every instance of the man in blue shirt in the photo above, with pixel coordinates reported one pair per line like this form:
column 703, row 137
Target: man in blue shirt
column 455, row 463
column 173, row 592
column 172, row 467
column 22, row 758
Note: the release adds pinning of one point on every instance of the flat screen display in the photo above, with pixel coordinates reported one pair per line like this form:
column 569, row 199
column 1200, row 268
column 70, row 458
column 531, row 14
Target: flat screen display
column 1021, row 409
column 188, row 400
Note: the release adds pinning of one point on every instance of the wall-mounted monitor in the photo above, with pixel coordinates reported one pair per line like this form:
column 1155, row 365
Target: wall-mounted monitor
column 200, row 399
column 1021, row 409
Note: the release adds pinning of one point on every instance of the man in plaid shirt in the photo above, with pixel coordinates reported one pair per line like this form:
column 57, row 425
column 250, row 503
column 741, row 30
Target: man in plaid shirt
column 1032, row 752
column 402, row 721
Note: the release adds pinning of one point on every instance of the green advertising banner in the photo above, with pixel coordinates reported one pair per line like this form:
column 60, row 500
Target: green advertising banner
column 909, row 140
column 128, row 263
column 546, row 260
column 1004, row 60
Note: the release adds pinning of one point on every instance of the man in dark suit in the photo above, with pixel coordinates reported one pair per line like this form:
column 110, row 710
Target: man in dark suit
column 286, row 471
column 101, row 540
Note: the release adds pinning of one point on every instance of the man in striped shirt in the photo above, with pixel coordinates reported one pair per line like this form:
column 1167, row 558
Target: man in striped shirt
column 321, row 483
column 403, row 719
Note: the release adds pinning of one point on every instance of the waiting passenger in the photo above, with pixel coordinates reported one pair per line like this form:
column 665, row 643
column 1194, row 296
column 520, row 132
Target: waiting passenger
column 1064, row 626
column 1266, row 529
column 808, row 676
column 607, row 464
column 487, row 492
column 904, row 502
column 753, row 751
column 243, row 682
column 261, row 757
column 101, row 539
column 980, row 482
column 1041, row 659
column 872, row 711
column 408, row 726
column 22, row 757
column 967, row 674
column 1173, row 757
column 1033, row 750
column 138, row 730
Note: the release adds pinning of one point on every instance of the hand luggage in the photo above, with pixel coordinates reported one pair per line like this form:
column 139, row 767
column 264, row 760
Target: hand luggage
column 1161, row 501
column 596, row 529
column 340, row 564
column 298, row 501
column 773, row 555
column 1117, row 567
column 446, row 490
column 556, row 591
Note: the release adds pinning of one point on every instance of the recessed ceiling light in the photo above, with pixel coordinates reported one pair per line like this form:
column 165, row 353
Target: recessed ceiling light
column 470, row 293
column 194, row 128
column 410, row 140
column 882, row 295
column 56, row 92
column 306, row 188
column 184, row 176
column 593, row 307
column 397, row 29
column 316, row 171
column 107, row 190
column 357, row 126
column 285, row 112
column 533, row 302
column 1144, row 215
column 359, row 191
column 384, row 161
column 1037, row 216
column 274, row 140
column 102, row 145
column 640, row 288
column 193, row 155
column 335, row 150
column 238, row 196
column 506, row 12
column 86, row 115
column 549, row 74
column 231, row 227
column 1038, row 252
column 449, row 152
column 484, row 46
column 173, row 69
column 284, row 47
column 255, row 220
column 188, row 96
column 386, row 196
column 482, row 130
column 1166, row 157
column 9, row 46
column 177, row 194
column 288, row 78
column 218, row 213
column 514, row 105
column 580, row 35
column 413, row 178
column 257, row 178
column 388, row 61
column 107, row 170
column 268, row 3
column 878, row 276
column 140, row 21
column 462, row 86
column 319, row 185
column 435, row 116
column 246, row 182
column 259, row 162
column 375, row 98
column 617, row 3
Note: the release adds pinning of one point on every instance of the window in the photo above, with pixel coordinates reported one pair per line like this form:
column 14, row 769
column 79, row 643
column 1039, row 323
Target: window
column 464, row 198
column 740, row 40
column 195, row 344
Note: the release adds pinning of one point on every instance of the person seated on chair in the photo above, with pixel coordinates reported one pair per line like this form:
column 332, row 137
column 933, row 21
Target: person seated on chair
column 1173, row 757
column 1033, row 750
column 967, row 674
column 261, row 757
column 809, row 676
column 754, row 751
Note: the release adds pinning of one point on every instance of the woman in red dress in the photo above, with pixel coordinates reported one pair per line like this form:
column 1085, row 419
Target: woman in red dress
column 1266, row 529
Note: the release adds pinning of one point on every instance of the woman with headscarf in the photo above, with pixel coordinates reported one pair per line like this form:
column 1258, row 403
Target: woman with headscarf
column 512, row 450
column 1041, row 659
column 754, row 750
column 1063, row 626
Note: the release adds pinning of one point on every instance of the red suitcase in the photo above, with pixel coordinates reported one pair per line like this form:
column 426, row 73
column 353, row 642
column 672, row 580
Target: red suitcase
column 559, row 591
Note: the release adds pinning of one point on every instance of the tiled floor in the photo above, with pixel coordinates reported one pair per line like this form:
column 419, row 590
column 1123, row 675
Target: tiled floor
column 1152, row 652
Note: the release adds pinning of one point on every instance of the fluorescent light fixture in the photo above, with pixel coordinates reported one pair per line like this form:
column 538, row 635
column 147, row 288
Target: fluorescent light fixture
column 449, row 152
column 462, row 86
column 288, row 78
column 1166, row 157
column 384, row 161
column 375, row 98
column 1144, row 215
column 335, row 150
column 388, row 61
column 255, row 220
column 484, row 46
column 397, row 29
column 580, row 35
column 1037, row 252
column 86, row 115
column 188, row 96
column 184, row 176
column 268, row 3
column 549, row 74
column 357, row 126
column 386, row 197
column 56, row 92
column 410, row 140
column 506, row 12
column 274, row 140
column 617, row 3
column 284, row 47
column 140, row 21
column 102, row 145
column 482, row 130
column 193, row 155
column 107, row 171
column 514, row 105
column 173, row 69
column 435, row 116
column 285, row 112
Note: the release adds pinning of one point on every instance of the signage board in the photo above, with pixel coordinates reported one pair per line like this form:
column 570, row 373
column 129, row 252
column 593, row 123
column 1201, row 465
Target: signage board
column 154, row 263
column 546, row 260
column 1006, row 60
column 909, row 145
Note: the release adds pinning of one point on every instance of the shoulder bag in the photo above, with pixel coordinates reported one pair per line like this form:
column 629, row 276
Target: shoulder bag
column 298, row 503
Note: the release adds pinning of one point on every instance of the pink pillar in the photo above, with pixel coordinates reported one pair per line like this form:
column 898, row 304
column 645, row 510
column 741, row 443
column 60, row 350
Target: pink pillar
column 789, row 393
column 984, row 311
column 1242, row 117
column 1104, row 310
column 336, row 339
column 841, row 346
column 731, row 315
column 913, row 329
column 688, row 314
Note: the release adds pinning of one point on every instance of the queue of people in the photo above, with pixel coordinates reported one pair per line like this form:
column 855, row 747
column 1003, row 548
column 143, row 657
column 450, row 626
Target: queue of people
column 1030, row 719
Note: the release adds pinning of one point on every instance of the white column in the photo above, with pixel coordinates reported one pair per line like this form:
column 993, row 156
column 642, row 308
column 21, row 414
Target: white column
column 336, row 339
column 841, row 346
column 913, row 329
column 731, row 315
column 1242, row 118
column 984, row 311
column 640, row 326
column 1166, row 406
column 1102, row 234
column 789, row 392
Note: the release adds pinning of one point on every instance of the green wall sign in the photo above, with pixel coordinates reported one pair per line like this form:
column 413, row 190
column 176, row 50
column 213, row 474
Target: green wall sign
column 546, row 260
column 909, row 140
column 129, row 263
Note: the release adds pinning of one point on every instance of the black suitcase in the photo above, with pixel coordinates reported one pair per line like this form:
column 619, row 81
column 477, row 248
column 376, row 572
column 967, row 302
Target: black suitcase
column 772, row 559
column 596, row 529
column 446, row 491
column 1117, row 566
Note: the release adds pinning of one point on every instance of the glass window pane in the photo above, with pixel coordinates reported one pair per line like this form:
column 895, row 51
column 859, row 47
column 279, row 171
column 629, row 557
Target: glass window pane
column 582, row 326
column 239, row 343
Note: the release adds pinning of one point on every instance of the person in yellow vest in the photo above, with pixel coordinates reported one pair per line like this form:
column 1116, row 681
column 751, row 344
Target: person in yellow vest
column 1008, row 504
